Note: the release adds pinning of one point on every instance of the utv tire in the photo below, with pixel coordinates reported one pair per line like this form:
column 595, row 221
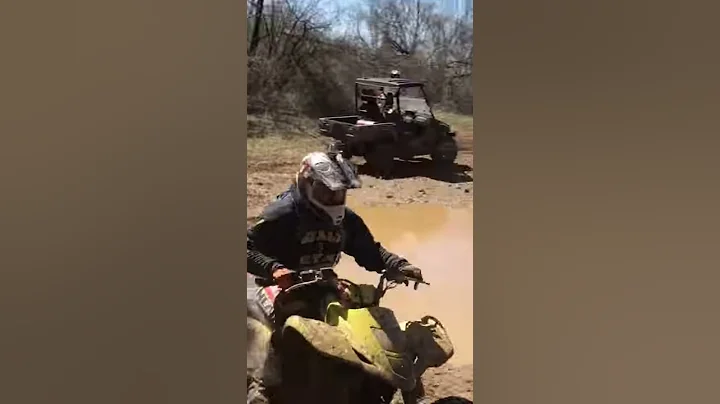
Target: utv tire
column 382, row 160
column 446, row 151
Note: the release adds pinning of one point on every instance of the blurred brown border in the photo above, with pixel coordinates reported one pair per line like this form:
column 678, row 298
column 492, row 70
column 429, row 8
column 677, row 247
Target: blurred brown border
column 596, row 170
column 123, row 202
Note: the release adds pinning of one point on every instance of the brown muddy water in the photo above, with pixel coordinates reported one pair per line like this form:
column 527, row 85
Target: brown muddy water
column 438, row 240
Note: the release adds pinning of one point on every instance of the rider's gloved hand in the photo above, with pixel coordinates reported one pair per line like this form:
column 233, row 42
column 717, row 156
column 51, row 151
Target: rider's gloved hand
column 283, row 277
column 344, row 292
column 407, row 272
column 412, row 272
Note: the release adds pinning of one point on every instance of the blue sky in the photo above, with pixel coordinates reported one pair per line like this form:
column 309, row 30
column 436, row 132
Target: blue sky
column 333, row 7
column 343, row 7
column 342, row 10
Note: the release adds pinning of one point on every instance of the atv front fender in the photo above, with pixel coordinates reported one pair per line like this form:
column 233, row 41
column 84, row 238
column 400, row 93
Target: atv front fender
column 429, row 341
column 329, row 341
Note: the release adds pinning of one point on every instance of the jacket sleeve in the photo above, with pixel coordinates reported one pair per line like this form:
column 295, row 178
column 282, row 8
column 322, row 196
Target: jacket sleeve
column 392, row 261
column 258, row 236
column 361, row 245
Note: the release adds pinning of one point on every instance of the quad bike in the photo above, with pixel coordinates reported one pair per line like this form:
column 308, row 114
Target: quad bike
column 340, row 346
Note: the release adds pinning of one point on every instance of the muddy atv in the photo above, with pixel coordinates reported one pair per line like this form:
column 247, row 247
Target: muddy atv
column 393, row 119
column 344, row 348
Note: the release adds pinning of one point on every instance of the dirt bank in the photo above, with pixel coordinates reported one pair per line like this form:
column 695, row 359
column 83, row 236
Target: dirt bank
column 272, row 161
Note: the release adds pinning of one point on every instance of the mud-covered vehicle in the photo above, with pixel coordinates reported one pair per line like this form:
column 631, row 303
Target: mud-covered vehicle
column 342, row 347
column 393, row 119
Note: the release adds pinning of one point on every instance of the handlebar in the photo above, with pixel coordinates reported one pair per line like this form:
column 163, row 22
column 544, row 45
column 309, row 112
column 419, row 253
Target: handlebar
column 310, row 277
column 386, row 283
column 326, row 277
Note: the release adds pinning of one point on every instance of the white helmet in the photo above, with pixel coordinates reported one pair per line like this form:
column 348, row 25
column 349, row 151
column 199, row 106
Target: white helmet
column 324, row 179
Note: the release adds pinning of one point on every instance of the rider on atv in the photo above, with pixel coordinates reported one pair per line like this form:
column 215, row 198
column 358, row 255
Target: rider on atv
column 308, row 227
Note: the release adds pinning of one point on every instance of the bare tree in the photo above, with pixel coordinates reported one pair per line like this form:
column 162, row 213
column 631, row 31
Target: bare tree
column 257, row 18
column 286, row 36
column 299, row 65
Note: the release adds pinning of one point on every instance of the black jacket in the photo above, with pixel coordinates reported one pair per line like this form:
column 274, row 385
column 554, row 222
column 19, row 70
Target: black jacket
column 290, row 234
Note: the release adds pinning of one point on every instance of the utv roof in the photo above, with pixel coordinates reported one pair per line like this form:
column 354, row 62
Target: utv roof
column 388, row 82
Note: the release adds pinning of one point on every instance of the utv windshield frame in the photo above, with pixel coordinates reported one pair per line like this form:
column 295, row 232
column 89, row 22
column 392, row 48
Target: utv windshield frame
column 395, row 85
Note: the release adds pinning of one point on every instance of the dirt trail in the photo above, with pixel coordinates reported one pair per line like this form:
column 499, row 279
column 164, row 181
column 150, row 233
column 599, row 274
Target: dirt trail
column 422, row 214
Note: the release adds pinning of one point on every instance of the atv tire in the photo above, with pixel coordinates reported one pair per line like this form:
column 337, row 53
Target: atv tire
column 446, row 151
column 453, row 400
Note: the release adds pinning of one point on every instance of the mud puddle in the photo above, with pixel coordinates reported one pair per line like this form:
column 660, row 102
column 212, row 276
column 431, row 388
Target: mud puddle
column 439, row 241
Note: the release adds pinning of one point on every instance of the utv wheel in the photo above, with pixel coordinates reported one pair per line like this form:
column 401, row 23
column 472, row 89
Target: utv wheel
column 382, row 159
column 445, row 152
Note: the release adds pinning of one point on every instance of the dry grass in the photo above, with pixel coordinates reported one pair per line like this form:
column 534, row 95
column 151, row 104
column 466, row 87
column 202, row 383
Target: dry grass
column 286, row 123
column 275, row 151
column 273, row 157
column 462, row 125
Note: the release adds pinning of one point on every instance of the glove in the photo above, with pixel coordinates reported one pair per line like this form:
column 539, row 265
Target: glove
column 283, row 277
column 344, row 292
column 406, row 271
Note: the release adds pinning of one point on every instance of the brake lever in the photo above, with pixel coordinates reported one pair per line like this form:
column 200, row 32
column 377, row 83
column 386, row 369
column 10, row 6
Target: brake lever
column 406, row 281
column 416, row 282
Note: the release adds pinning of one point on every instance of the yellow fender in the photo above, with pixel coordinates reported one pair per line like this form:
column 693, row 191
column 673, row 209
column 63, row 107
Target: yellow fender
column 368, row 338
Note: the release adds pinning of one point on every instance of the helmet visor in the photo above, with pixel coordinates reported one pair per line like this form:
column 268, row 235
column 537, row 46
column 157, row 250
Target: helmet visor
column 325, row 196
